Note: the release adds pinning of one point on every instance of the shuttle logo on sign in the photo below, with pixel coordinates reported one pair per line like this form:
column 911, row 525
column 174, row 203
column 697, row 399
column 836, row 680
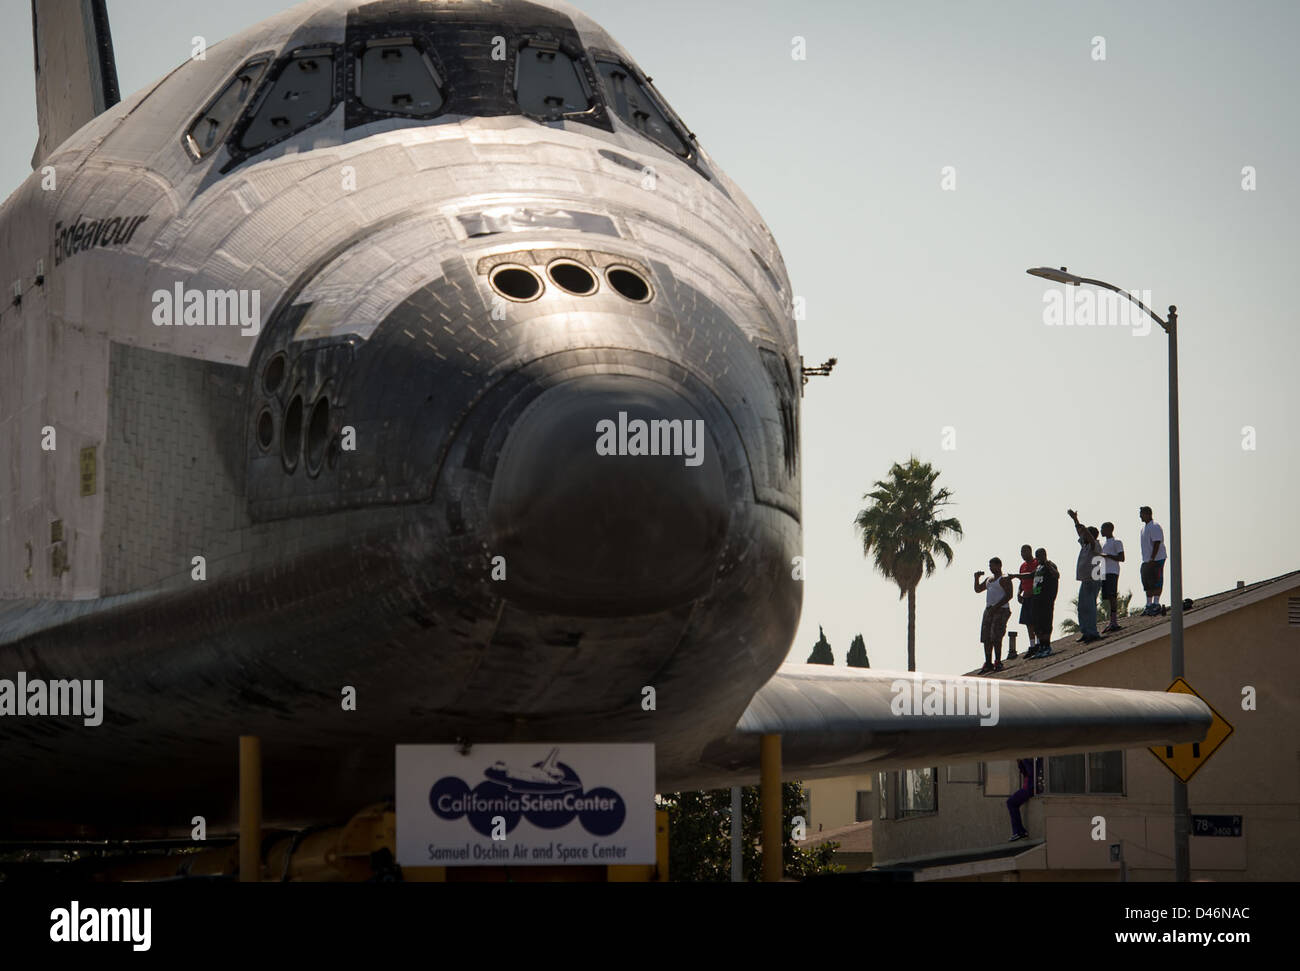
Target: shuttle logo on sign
column 525, row 805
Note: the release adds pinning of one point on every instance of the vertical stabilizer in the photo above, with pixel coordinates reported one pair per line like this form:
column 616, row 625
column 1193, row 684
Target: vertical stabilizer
column 76, row 77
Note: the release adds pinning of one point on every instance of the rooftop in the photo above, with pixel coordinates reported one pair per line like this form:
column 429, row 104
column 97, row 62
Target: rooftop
column 854, row 838
column 1068, row 653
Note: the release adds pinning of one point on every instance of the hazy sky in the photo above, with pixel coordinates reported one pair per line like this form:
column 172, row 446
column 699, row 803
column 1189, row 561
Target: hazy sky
column 1127, row 168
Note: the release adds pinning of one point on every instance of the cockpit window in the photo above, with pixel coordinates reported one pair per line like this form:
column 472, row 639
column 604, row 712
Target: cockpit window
column 209, row 131
column 548, row 82
column 632, row 101
column 394, row 76
column 301, row 95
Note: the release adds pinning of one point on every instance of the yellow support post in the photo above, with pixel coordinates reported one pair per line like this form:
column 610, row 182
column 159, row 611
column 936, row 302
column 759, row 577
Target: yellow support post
column 769, row 777
column 250, row 809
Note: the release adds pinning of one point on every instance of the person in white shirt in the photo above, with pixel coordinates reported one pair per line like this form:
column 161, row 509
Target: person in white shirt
column 1153, row 560
column 1113, row 552
column 997, row 611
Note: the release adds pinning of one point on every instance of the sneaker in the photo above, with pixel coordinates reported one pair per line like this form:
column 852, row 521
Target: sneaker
column 1046, row 653
column 1112, row 628
column 1012, row 656
column 1036, row 652
column 998, row 666
column 1090, row 640
column 1018, row 836
column 987, row 668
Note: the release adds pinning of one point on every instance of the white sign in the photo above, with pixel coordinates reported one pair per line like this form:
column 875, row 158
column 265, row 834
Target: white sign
column 525, row 805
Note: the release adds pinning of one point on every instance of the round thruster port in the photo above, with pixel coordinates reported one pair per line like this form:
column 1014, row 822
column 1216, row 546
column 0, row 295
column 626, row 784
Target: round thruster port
column 318, row 434
column 515, row 282
column 571, row 277
column 273, row 376
column 291, row 434
column 629, row 284
column 265, row 430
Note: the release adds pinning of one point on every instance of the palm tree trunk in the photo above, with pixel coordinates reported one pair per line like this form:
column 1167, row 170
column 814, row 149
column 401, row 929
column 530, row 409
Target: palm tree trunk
column 911, row 629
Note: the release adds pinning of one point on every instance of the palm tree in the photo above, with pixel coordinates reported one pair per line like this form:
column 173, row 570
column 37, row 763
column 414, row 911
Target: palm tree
column 1069, row 626
column 901, row 532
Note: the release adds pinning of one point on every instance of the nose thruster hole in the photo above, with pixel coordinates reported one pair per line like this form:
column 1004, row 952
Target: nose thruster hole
column 628, row 283
column 572, row 277
column 274, row 374
column 318, row 434
column 265, row 429
column 516, row 283
column 291, row 436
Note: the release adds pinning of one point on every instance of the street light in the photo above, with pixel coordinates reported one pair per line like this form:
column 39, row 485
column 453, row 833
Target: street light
column 1182, row 869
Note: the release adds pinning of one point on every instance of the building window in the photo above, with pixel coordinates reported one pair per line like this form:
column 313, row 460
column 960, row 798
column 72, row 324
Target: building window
column 967, row 772
column 1293, row 611
column 997, row 778
column 1100, row 773
column 863, row 809
column 918, row 792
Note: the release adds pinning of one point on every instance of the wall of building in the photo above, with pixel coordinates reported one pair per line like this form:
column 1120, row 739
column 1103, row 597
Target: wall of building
column 832, row 803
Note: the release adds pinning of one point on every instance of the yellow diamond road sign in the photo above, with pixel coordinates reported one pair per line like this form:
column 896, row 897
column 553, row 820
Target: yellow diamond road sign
column 1183, row 760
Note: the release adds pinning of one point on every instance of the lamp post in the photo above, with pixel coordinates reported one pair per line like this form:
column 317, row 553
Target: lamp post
column 1182, row 823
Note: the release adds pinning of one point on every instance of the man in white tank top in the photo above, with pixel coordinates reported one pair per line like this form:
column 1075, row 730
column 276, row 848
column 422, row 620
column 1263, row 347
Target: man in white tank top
column 997, row 611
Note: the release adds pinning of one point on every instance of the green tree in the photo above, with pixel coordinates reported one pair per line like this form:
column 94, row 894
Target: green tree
column 903, row 529
column 1071, row 626
column 858, row 654
column 699, row 836
column 821, row 652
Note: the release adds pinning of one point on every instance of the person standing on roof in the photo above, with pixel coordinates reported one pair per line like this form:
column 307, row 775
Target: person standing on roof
column 1046, row 582
column 1112, row 551
column 1089, row 571
column 993, row 623
column 1026, row 598
column 1153, row 560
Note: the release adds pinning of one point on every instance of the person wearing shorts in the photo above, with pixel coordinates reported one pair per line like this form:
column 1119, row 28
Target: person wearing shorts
column 1026, row 597
column 1047, row 582
column 1153, row 560
column 993, row 622
column 1112, row 551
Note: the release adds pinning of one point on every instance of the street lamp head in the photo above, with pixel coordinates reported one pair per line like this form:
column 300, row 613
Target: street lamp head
column 1056, row 276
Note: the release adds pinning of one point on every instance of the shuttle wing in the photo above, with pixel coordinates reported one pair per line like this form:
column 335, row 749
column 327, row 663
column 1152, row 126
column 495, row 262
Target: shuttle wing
column 76, row 77
column 837, row 721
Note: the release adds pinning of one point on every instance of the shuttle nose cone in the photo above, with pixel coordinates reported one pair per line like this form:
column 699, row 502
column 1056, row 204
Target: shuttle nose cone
column 609, row 497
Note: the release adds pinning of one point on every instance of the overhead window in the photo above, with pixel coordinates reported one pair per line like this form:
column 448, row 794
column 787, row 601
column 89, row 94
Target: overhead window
column 300, row 96
column 212, row 126
column 395, row 76
column 632, row 101
column 548, row 82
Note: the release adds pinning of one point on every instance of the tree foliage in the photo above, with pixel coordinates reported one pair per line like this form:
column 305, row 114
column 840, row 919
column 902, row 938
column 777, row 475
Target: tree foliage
column 821, row 652
column 699, row 836
column 1071, row 626
column 857, row 657
column 903, row 530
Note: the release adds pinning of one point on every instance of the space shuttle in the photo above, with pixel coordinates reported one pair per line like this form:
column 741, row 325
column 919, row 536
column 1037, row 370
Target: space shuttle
column 308, row 350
